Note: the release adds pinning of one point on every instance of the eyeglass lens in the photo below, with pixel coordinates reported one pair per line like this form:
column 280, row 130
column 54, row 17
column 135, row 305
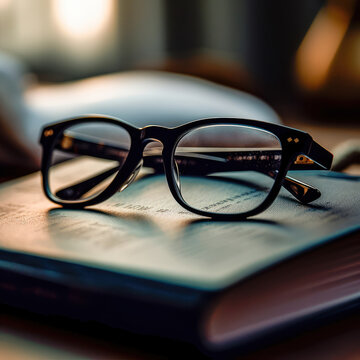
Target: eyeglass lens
column 227, row 169
column 99, row 151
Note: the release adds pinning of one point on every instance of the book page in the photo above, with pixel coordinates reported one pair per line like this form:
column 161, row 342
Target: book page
column 142, row 230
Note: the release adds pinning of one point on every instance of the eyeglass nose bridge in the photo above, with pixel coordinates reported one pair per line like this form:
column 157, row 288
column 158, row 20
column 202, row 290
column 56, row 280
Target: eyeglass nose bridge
column 154, row 133
column 164, row 135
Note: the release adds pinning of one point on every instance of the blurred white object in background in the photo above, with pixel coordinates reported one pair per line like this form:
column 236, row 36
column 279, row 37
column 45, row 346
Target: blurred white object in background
column 82, row 18
column 138, row 97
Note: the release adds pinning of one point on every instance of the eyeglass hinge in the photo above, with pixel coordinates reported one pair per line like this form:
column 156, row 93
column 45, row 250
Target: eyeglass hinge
column 302, row 160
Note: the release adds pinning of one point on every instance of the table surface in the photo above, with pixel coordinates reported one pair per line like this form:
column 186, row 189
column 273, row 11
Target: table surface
column 23, row 336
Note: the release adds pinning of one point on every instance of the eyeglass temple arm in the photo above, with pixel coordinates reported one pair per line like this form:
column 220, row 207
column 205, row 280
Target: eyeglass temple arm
column 76, row 191
column 198, row 163
column 317, row 158
column 195, row 163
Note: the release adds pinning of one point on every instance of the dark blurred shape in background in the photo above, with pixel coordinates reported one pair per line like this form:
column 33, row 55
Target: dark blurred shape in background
column 287, row 52
column 328, row 59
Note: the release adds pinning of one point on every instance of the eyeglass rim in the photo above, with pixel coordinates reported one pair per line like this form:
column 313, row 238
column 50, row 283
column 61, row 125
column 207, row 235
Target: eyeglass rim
column 170, row 138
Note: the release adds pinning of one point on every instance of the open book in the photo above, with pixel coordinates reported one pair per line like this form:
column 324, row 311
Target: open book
column 142, row 263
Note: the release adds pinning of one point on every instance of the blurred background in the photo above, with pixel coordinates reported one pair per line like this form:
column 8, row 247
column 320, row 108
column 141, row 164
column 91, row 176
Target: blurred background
column 302, row 57
column 285, row 51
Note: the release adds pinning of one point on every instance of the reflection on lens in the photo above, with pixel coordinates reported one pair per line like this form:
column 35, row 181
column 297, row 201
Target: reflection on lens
column 85, row 160
column 227, row 169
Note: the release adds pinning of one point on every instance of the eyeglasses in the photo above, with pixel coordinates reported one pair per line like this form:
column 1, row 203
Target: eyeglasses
column 224, row 168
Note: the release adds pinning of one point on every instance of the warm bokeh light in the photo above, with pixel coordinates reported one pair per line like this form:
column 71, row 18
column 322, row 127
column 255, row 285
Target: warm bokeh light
column 82, row 18
column 4, row 4
column 320, row 45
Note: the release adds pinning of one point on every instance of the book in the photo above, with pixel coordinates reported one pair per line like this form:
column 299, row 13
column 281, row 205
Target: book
column 141, row 263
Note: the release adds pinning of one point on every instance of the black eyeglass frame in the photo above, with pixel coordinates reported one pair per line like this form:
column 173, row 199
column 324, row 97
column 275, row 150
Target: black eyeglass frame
column 293, row 143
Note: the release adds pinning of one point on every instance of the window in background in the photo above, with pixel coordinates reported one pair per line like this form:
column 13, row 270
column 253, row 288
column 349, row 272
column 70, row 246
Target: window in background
column 65, row 39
